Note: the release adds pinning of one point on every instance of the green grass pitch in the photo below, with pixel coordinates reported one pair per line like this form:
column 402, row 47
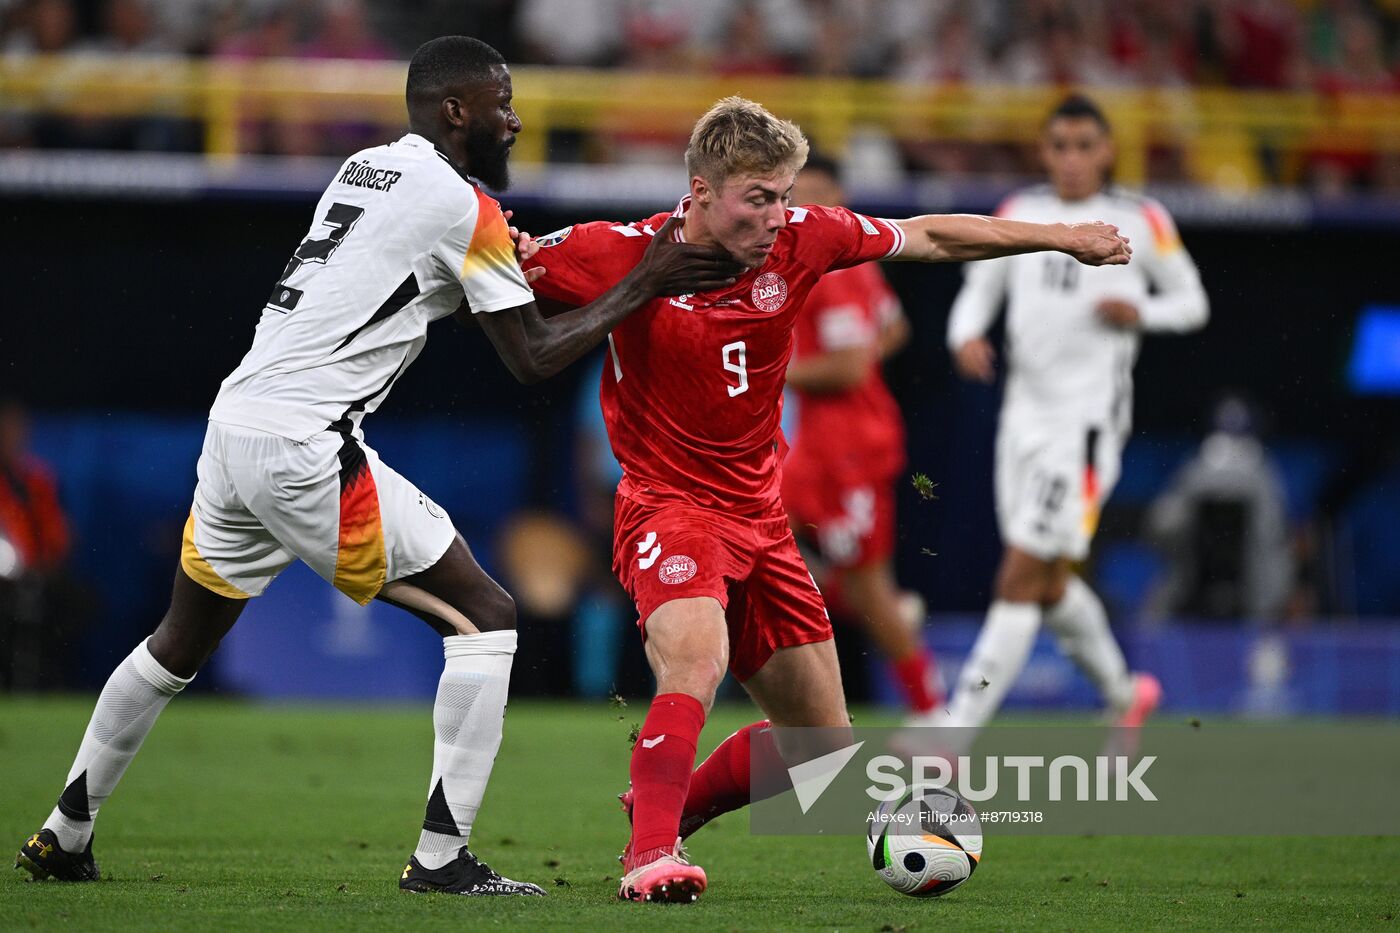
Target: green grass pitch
column 248, row 817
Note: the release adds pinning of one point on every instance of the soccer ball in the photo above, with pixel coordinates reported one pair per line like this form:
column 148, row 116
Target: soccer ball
column 926, row 843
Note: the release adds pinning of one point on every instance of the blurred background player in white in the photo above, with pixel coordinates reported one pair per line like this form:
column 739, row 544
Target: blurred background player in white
column 848, row 450
column 1072, row 337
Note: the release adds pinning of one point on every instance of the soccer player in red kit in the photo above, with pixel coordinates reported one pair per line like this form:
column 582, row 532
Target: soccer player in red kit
column 838, row 479
column 691, row 395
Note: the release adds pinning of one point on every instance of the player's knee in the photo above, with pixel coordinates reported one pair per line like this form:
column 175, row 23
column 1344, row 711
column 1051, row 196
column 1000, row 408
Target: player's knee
column 1024, row 579
column 706, row 674
column 497, row 612
column 697, row 677
column 1016, row 586
column 180, row 649
column 1055, row 588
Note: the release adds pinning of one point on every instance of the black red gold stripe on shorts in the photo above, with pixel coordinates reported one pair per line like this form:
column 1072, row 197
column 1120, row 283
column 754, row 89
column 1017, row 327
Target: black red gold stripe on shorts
column 360, row 564
column 1091, row 481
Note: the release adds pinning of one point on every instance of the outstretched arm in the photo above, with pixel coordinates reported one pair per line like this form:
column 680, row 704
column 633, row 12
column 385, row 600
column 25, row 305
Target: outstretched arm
column 962, row 237
column 534, row 347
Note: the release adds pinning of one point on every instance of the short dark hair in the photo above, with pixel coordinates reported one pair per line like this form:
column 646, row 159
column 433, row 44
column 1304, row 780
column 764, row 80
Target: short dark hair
column 1076, row 107
column 821, row 162
column 449, row 62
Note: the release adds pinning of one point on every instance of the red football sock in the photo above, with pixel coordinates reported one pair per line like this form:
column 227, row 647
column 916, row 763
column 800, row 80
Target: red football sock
column 661, row 763
column 913, row 676
column 723, row 781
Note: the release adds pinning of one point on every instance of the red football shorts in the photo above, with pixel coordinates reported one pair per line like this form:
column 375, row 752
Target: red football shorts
column 752, row 566
column 851, row 521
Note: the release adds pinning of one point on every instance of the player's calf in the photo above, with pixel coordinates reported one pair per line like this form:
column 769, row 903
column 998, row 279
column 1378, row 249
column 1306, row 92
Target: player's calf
column 725, row 781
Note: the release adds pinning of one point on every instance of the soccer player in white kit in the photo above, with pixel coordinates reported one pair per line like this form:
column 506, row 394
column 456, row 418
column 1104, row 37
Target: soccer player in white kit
column 1071, row 340
column 403, row 236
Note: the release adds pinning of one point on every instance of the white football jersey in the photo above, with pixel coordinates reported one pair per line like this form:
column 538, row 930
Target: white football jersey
column 1066, row 369
column 399, row 238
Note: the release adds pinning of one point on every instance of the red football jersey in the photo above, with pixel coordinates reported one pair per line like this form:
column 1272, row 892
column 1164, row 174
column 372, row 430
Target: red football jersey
column 859, row 431
column 692, row 389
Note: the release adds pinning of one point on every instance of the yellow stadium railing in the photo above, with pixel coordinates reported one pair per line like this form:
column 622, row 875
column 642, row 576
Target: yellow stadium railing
column 1221, row 133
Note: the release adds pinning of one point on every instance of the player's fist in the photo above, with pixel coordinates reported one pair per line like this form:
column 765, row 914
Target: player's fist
column 1118, row 313
column 671, row 268
column 1097, row 244
column 975, row 360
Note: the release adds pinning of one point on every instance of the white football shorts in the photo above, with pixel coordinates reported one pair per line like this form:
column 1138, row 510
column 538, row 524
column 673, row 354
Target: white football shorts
column 1050, row 487
column 264, row 501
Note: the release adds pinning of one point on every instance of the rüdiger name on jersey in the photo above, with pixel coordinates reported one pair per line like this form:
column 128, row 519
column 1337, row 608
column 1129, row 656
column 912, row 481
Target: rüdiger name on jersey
column 398, row 239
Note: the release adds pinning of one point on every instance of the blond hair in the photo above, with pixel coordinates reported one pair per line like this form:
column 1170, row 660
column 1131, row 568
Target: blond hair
column 740, row 137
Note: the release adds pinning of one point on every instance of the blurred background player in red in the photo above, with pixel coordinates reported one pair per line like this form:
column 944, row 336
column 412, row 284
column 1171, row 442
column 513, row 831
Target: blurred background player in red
column 31, row 518
column 848, row 450
column 41, row 607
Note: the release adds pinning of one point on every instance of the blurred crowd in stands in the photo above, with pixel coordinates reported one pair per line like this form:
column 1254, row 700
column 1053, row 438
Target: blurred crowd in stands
column 1329, row 45
column 1326, row 46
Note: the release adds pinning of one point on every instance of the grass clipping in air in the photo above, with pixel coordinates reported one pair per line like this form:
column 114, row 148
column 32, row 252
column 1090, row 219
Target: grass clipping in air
column 924, row 486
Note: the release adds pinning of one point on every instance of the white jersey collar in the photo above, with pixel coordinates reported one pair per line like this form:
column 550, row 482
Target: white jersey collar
column 415, row 141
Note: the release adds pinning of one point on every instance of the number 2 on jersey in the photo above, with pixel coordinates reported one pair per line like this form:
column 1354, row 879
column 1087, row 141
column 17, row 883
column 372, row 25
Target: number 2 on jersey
column 340, row 218
column 739, row 366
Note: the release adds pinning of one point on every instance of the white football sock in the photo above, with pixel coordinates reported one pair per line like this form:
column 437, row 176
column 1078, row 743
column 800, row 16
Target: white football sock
column 1081, row 628
column 1001, row 651
column 130, row 702
column 467, row 721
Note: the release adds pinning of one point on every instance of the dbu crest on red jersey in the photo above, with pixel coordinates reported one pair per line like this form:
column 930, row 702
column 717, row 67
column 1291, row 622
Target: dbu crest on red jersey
column 769, row 291
column 676, row 569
